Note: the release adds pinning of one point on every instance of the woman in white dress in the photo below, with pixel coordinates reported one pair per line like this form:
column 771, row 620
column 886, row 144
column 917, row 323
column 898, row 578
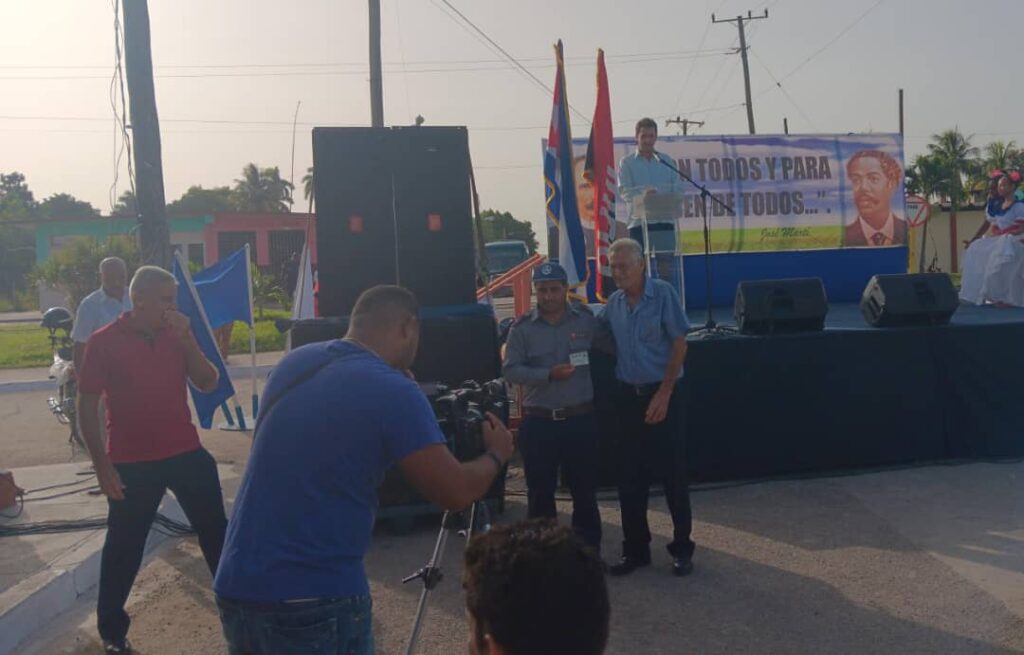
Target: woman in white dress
column 993, row 270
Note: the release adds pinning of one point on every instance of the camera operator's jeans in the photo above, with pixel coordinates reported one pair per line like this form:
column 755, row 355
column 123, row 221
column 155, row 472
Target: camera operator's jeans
column 331, row 626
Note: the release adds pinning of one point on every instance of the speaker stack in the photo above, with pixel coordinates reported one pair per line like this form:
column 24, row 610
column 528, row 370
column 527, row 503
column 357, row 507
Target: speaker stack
column 393, row 207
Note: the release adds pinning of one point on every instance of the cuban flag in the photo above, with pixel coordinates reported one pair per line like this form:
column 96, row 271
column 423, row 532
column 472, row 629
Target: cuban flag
column 560, row 187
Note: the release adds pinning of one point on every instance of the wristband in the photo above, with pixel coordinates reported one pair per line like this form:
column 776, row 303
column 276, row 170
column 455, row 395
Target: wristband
column 497, row 460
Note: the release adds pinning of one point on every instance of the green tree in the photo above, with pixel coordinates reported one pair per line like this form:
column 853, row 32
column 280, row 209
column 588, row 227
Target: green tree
column 502, row 226
column 307, row 184
column 308, row 188
column 17, row 257
column 126, row 205
column 926, row 177
column 958, row 159
column 16, row 201
column 65, row 205
column 266, row 291
column 75, row 269
column 198, row 201
column 999, row 155
column 263, row 190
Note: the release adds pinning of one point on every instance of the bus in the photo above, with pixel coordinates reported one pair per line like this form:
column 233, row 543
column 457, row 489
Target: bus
column 503, row 256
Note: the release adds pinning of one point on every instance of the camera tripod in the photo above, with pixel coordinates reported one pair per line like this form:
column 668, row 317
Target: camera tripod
column 466, row 523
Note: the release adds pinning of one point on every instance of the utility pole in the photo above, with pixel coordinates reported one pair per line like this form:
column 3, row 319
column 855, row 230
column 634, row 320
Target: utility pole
column 685, row 122
column 154, row 236
column 785, row 126
column 376, row 78
column 901, row 112
column 740, row 20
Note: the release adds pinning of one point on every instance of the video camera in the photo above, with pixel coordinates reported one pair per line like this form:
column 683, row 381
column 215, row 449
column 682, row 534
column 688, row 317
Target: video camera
column 461, row 412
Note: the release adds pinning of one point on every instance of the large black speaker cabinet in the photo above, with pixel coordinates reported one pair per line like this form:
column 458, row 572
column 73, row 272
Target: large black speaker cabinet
column 436, row 257
column 453, row 347
column 393, row 207
column 779, row 306
column 910, row 299
column 355, row 221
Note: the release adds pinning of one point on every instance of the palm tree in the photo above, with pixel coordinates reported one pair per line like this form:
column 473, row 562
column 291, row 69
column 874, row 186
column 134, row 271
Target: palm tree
column 263, row 190
column 308, row 188
column 958, row 160
column 926, row 177
column 1000, row 155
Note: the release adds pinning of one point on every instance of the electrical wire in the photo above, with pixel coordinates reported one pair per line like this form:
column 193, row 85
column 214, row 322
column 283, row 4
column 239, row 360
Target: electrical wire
column 667, row 54
column 782, row 88
column 120, row 120
column 822, row 49
column 161, row 523
column 508, row 56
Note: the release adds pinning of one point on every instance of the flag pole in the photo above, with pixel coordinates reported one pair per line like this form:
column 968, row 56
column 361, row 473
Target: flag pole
column 252, row 333
column 206, row 324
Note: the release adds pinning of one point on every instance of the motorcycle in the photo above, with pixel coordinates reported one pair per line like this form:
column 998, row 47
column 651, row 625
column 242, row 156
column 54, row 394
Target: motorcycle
column 58, row 321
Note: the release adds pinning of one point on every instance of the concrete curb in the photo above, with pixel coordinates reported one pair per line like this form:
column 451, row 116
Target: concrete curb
column 237, row 373
column 31, row 604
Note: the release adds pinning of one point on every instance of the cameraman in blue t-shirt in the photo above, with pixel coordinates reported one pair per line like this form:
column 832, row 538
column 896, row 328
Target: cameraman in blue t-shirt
column 335, row 416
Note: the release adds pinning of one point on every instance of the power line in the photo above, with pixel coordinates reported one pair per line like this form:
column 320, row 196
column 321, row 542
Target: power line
column 689, row 73
column 483, row 67
column 275, row 123
column 783, row 89
column 515, row 61
column 669, row 54
column 817, row 52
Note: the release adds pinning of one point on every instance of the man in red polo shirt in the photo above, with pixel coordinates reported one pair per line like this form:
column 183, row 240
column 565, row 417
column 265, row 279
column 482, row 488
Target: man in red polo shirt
column 140, row 363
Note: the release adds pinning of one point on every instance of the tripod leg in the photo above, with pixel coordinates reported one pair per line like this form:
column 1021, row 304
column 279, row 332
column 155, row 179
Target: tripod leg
column 435, row 563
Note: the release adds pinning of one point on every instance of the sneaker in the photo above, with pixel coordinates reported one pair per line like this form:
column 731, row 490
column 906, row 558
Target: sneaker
column 117, row 647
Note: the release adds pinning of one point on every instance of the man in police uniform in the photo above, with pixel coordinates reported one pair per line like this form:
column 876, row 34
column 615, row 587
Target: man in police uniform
column 547, row 353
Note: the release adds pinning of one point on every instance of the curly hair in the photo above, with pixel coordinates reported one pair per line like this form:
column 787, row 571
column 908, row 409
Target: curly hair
column 892, row 169
column 537, row 590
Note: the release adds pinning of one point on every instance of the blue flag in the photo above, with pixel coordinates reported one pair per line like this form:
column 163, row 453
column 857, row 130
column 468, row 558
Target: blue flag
column 560, row 188
column 224, row 290
column 189, row 304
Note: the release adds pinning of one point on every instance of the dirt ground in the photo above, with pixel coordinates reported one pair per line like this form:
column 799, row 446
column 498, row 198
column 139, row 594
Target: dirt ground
column 918, row 561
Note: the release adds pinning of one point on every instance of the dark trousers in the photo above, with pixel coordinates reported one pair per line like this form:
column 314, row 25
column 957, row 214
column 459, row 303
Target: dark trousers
column 333, row 626
column 571, row 444
column 653, row 454
column 193, row 479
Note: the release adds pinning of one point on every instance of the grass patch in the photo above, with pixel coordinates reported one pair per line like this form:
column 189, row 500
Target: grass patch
column 26, row 345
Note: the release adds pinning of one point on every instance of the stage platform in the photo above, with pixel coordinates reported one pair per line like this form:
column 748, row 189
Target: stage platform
column 851, row 396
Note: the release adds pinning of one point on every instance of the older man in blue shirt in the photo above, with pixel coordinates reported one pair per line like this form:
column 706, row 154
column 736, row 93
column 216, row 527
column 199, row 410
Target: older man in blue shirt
column 646, row 318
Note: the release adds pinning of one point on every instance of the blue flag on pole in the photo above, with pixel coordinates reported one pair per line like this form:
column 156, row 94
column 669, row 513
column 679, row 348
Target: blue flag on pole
column 190, row 305
column 224, row 290
column 560, row 186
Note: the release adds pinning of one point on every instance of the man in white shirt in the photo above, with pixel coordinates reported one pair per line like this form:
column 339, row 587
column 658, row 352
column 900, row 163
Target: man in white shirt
column 875, row 177
column 102, row 306
column 99, row 309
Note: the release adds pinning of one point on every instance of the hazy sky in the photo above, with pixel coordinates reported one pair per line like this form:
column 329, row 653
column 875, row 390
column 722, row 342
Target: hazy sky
column 230, row 72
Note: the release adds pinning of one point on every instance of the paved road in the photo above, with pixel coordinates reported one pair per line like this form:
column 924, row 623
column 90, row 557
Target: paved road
column 919, row 561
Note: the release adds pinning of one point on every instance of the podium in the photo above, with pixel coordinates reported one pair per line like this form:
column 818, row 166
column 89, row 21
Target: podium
column 660, row 216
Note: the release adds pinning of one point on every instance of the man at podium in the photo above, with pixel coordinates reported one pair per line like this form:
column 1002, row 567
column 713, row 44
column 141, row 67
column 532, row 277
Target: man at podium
column 652, row 191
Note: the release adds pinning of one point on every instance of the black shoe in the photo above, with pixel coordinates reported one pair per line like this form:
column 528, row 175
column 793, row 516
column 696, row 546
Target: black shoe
column 627, row 565
column 117, row 647
column 682, row 566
